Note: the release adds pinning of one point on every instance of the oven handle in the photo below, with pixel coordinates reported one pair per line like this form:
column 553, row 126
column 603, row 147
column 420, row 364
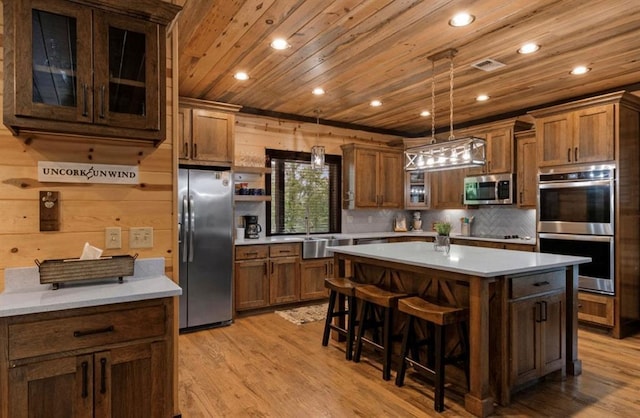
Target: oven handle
column 569, row 237
column 569, row 184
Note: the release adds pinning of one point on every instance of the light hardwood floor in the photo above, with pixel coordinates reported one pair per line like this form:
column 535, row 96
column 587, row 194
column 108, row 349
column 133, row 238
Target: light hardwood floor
column 265, row 366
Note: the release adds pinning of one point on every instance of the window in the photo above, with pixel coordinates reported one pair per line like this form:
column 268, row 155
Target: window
column 298, row 191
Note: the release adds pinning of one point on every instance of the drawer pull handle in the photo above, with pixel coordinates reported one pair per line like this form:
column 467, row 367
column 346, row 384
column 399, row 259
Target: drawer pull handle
column 538, row 284
column 252, row 253
column 79, row 334
column 85, row 379
column 103, row 375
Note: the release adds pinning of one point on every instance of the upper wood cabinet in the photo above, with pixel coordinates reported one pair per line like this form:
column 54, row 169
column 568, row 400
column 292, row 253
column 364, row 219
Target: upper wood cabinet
column 447, row 188
column 500, row 145
column 585, row 131
column 97, row 71
column 372, row 177
column 206, row 132
column 527, row 170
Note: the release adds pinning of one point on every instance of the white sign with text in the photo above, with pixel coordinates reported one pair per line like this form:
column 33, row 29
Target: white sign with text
column 50, row 171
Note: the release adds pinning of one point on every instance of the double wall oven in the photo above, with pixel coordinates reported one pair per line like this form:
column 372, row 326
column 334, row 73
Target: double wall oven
column 576, row 217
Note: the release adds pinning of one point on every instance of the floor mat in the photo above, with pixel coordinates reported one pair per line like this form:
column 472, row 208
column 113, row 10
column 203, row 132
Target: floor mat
column 304, row 314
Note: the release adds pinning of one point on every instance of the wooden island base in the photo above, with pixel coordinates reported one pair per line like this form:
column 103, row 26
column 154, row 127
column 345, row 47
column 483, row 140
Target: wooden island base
column 522, row 326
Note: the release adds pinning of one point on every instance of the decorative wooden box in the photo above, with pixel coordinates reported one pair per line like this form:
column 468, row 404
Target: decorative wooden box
column 75, row 270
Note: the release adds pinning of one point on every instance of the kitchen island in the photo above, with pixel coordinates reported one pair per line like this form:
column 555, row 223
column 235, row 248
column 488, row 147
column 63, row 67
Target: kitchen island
column 506, row 292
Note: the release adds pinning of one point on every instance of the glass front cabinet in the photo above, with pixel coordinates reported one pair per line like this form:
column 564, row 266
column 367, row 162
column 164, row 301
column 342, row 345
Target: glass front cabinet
column 79, row 69
column 417, row 190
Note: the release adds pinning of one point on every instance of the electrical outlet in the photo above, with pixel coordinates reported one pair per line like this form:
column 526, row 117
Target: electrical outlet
column 141, row 237
column 113, row 237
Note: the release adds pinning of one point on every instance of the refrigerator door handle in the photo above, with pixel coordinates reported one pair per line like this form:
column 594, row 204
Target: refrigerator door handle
column 183, row 227
column 192, row 220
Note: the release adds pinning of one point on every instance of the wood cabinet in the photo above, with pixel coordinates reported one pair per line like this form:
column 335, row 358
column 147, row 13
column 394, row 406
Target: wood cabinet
column 372, row 177
column 596, row 309
column 584, row 135
column 251, row 287
column 266, row 275
column 537, row 316
column 312, row 275
column 494, row 244
column 447, row 188
column 93, row 70
column 500, row 145
column 417, row 192
column 206, row 132
column 527, row 169
column 91, row 362
column 604, row 129
column 284, row 279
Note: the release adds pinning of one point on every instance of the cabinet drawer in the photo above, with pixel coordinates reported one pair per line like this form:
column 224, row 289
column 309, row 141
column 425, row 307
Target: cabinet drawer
column 85, row 331
column 251, row 252
column 598, row 309
column 538, row 284
column 284, row 250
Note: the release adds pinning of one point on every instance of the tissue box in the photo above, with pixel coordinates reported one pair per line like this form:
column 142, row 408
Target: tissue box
column 74, row 269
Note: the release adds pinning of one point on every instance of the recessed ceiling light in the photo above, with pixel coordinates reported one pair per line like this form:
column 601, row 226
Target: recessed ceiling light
column 482, row 98
column 580, row 69
column 462, row 19
column 375, row 103
column 241, row 75
column 318, row 91
column 280, row 44
column 425, row 113
column 528, row 48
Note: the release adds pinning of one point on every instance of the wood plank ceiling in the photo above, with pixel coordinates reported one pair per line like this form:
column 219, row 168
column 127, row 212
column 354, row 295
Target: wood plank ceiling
column 360, row 50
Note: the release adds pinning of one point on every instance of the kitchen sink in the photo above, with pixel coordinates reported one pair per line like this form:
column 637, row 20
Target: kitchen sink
column 316, row 247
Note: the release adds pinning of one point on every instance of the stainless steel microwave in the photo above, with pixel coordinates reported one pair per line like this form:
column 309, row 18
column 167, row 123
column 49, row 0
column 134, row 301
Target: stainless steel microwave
column 496, row 189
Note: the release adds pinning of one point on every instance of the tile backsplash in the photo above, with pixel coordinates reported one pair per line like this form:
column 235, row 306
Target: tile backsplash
column 499, row 220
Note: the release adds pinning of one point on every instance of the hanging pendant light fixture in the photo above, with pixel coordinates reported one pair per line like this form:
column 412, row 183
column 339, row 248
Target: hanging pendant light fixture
column 453, row 153
column 317, row 151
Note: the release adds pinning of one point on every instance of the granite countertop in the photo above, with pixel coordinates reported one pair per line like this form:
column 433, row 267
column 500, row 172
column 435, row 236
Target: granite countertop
column 24, row 294
column 477, row 261
column 279, row 239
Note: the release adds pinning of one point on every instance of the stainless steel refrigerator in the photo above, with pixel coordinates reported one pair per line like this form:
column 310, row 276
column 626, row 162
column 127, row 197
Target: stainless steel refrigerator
column 205, row 217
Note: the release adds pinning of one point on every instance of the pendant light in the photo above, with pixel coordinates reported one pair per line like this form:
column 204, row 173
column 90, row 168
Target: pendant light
column 317, row 151
column 453, row 153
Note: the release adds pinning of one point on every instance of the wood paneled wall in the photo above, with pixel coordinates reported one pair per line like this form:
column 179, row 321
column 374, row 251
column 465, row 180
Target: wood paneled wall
column 85, row 209
column 253, row 134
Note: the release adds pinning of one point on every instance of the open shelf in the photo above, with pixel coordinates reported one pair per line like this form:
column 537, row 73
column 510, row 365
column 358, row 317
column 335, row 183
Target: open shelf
column 251, row 198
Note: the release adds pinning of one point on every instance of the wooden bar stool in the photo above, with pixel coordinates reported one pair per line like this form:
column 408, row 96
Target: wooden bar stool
column 369, row 297
column 439, row 316
column 346, row 287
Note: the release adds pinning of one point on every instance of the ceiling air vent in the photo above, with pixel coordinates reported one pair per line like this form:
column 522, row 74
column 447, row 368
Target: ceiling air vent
column 488, row 64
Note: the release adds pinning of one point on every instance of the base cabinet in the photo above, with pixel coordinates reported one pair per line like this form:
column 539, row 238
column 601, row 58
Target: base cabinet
column 537, row 323
column 82, row 368
column 312, row 275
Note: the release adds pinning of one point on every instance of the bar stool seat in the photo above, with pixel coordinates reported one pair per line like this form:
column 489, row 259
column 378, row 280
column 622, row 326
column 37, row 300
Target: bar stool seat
column 439, row 316
column 369, row 297
column 346, row 287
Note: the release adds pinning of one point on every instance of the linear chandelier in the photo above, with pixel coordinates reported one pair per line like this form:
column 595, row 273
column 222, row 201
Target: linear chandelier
column 451, row 154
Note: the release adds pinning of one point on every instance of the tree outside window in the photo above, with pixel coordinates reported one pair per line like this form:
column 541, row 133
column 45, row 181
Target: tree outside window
column 298, row 191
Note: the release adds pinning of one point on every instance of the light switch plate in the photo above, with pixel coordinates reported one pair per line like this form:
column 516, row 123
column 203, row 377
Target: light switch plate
column 113, row 237
column 141, row 237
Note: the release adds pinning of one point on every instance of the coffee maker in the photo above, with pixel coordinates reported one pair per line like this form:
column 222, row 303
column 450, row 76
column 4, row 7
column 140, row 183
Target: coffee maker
column 252, row 228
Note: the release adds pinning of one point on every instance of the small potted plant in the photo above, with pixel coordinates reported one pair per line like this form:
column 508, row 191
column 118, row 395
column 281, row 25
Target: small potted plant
column 442, row 242
column 443, row 228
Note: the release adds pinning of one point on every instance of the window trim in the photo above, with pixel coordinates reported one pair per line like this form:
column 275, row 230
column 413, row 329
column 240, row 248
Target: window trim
column 306, row 157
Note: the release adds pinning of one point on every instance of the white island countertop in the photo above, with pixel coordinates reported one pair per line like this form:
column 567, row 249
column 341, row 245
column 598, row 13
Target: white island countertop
column 24, row 294
column 477, row 261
